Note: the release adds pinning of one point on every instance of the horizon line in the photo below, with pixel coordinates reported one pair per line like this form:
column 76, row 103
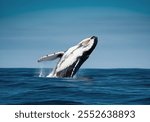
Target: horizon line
column 80, row 68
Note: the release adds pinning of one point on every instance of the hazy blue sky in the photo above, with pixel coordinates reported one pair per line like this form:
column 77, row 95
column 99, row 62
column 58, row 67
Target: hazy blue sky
column 32, row 28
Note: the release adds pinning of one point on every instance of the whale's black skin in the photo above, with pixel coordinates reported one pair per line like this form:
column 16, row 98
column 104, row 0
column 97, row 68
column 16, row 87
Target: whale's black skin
column 72, row 59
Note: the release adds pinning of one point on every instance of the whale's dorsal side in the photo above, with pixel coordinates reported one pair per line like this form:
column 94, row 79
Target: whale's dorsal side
column 51, row 57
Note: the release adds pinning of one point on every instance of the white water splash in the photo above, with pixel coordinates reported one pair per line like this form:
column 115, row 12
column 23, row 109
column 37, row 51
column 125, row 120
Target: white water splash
column 44, row 71
column 41, row 73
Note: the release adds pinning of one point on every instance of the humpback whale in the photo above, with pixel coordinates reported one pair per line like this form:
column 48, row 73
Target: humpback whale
column 72, row 59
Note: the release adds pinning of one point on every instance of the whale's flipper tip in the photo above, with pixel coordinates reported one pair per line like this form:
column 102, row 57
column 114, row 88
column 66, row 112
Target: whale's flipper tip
column 38, row 61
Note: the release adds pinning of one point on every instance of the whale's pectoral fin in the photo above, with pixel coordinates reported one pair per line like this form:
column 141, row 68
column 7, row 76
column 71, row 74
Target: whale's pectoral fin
column 51, row 57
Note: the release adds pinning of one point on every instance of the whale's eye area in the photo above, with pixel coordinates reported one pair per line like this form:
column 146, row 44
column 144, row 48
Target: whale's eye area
column 85, row 43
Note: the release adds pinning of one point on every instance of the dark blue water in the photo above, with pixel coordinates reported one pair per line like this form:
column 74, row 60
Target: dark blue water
column 89, row 87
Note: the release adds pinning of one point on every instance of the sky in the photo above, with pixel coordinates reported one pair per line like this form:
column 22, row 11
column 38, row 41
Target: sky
column 30, row 29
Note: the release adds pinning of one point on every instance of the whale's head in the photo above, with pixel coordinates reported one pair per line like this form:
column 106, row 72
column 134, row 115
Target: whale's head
column 74, row 57
column 87, row 45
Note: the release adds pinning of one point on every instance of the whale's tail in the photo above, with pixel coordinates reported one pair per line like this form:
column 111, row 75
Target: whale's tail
column 51, row 57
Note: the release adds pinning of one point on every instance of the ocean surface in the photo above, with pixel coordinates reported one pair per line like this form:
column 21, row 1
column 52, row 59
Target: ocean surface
column 23, row 86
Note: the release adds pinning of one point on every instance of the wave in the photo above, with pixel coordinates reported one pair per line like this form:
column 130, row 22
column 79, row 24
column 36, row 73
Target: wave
column 89, row 86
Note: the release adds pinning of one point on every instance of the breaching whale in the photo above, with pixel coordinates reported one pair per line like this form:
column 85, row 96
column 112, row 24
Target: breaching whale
column 72, row 59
